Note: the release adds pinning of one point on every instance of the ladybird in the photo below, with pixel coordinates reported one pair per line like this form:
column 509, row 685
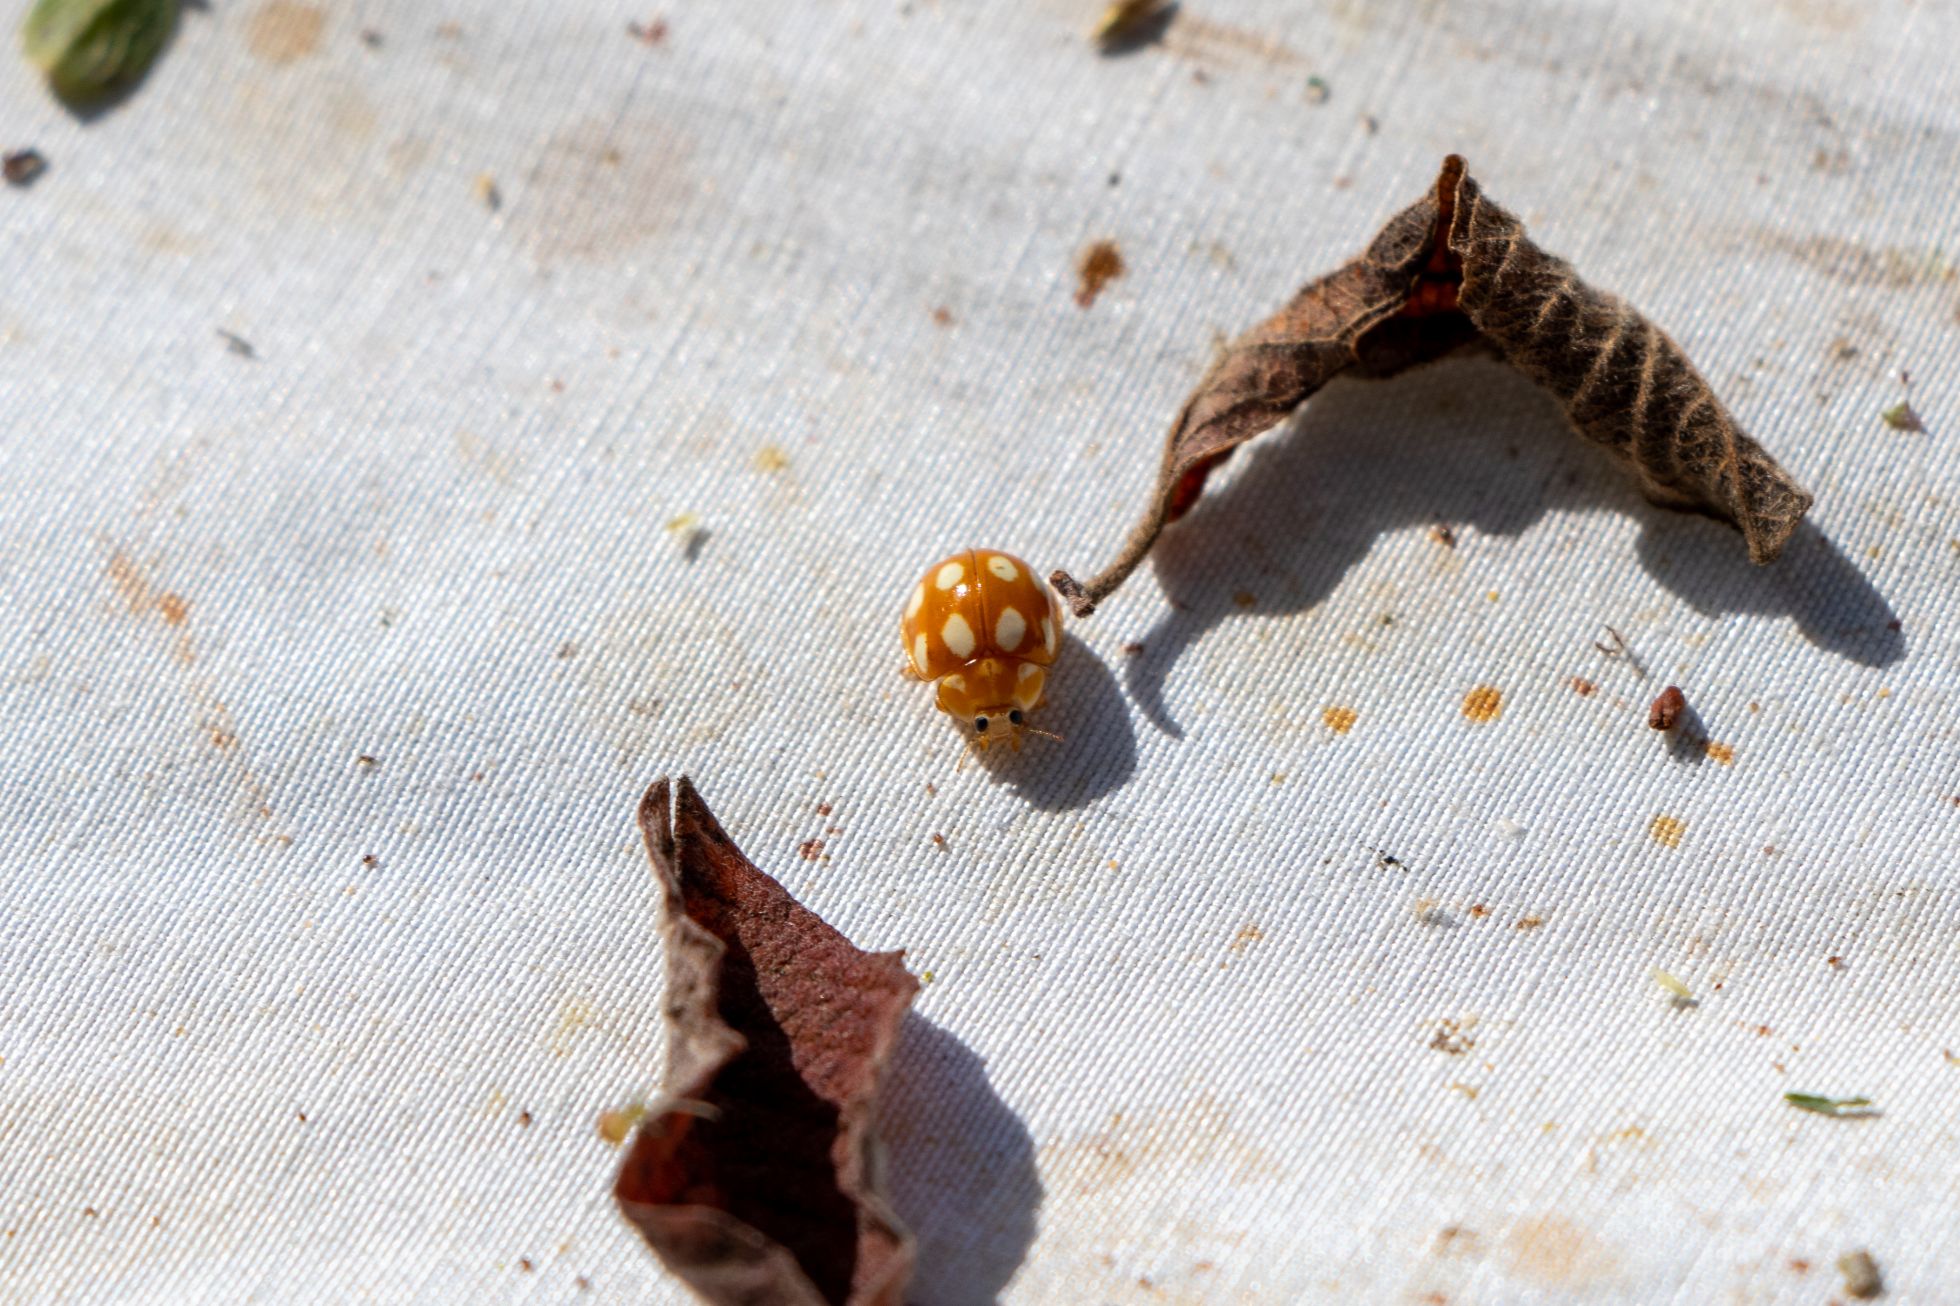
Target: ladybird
column 985, row 628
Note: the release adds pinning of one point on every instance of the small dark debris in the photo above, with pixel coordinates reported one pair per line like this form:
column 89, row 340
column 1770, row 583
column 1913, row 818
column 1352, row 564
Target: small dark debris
column 1133, row 649
column 1115, row 179
column 91, row 1213
column 237, row 344
column 301, row 1115
column 653, row 33
column 939, row 840
column 582, row 1283
column 810, row 849
column 1318, row 92
column 1244, row 598
column 1530, row 922
column 23, row 167
column 366, row 762
column 823, row 809
column 567, row 650
column 1583, row 688
column 1370, row 123
column 370, row 860
column 371, row 38
column 1443, row 535
column 524, row 1119
column 1835, row 963
column 1389, row 861
column 524, row 1264
column 942, row 316
column 1099, row 265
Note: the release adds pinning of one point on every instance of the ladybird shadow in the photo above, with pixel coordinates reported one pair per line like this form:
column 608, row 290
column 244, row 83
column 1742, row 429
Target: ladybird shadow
column 1098, row 749
column 961, row 1168
column 1464, row 441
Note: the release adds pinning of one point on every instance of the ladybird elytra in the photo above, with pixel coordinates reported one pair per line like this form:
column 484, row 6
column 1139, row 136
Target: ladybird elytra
column 984, row 628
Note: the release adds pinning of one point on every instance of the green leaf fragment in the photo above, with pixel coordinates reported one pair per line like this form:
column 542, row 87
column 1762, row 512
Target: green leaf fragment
column 88, row 48
column 1826, row 1106
column 1901, row 417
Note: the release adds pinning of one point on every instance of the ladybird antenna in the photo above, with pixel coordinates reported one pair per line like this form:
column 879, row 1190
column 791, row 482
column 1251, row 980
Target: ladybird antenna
column 1045, row 734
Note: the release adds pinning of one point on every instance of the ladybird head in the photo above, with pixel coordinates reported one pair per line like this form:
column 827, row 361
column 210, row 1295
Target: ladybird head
column 992, row 698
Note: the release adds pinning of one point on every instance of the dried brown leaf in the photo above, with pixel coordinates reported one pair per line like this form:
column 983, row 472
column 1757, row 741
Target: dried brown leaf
column 757, row 1179
column 1450, row 269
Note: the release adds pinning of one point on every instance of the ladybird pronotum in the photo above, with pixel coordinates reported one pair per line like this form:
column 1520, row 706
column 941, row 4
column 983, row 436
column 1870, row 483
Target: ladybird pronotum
column 985, row 628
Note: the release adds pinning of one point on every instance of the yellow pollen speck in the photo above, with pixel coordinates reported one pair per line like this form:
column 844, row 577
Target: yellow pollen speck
column 1484, row 703
column 1339, row 719
column 770, row 459
column 1667, row 831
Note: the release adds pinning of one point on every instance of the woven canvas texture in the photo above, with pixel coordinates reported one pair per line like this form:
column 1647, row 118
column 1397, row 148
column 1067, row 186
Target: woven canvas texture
column 608, row 393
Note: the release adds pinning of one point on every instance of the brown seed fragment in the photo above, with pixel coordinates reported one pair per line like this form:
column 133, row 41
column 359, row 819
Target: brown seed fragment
column 22, row 167
column 1860, row 1271
column 1583, row 688
column 1451, row 268
column 1665, row 711
column 1099, row 265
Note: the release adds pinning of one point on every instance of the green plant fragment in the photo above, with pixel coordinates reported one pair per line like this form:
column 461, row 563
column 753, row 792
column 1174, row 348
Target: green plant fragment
column 1826, row 1106
column 88, row 48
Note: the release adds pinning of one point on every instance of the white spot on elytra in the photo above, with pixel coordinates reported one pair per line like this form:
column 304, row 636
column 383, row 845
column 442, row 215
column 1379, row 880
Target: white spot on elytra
column 1048, row 634
column 1028, row 671
column 1010, row 628
column 918, row 601
column 1003, row 567
column 1028, row 692
column 957, row 634
column 919, row 652
column 950, row 575
column 957, row 683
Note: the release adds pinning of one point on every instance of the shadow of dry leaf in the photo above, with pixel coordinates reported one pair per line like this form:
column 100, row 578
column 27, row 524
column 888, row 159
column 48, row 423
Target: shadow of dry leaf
column 1449, row 270
column 758, row 1178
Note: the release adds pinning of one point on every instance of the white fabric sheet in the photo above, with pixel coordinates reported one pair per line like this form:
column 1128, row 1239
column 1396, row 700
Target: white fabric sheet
column 1225, row 1005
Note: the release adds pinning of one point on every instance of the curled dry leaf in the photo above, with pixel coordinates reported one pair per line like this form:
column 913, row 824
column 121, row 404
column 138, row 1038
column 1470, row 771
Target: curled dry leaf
column 1450, row 269
column 757, row 1178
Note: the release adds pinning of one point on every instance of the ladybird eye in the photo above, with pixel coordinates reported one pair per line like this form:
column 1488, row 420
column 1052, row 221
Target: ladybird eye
column 980, row 724
column 1015, row 716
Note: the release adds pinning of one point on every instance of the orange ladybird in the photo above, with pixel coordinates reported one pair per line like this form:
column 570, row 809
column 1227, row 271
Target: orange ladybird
column 985, row 628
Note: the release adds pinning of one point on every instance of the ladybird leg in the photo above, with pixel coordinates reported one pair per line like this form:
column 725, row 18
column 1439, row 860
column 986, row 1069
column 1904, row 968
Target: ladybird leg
column 909, row 671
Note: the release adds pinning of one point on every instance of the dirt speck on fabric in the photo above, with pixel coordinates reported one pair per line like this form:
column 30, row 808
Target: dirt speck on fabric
column 1099, row 265
column 282, row 32
column 1667, row 830
column 1720, row 752
column 1453, row 1037
column 1583, row 688
column 770, row 458
column 1248, row 935
column 810, row 849
column 1554, row 1251
column 1484, row 703
column 1339, row 719
column 1530, row 922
